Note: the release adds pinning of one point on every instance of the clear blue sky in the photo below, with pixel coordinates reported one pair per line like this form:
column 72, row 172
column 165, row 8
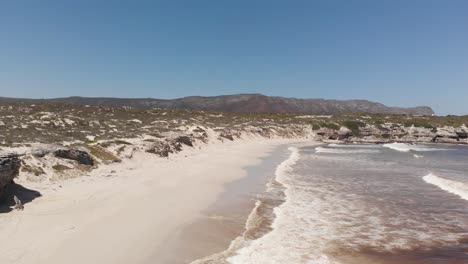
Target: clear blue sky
column 399, row 52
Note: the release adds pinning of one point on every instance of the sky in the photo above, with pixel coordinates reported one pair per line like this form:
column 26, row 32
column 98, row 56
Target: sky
column 398, row 52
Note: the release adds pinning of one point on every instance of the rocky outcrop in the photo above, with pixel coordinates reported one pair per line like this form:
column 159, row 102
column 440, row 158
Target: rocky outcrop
column 227, row 135
column 332, row 134
column 168, row 146
column 462, row 134
column 395, row 133
column 184, row 140
column 82, row 157
column 162, row 149
column 9, row 169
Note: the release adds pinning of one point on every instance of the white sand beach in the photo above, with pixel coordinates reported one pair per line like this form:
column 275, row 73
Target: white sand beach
column 122, row 213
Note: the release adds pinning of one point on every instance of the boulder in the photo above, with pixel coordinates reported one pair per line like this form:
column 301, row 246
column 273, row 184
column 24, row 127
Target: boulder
column 344, row 133
column 462, row 134
column 9, row 169
column 227, row 135
column 161, row 149
column 185, row 140
column 82, row 157
column 323, row 131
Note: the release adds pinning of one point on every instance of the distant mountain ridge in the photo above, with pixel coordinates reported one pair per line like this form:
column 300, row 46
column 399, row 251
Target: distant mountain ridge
column 255, row 103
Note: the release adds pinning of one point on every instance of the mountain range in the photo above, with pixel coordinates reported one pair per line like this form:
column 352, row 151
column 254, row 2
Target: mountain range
column 254, row 103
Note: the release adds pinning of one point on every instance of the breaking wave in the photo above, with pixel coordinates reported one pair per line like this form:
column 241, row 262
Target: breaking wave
column 260, row 220
column 403, row 147
column 454, row 187
column 344, row 151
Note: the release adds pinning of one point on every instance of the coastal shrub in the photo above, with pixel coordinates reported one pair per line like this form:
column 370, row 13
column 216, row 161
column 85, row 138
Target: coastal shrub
column 60, row 167
column 354, row 126
column 379, row 122
column 33, row 169
column 330, row 125
column 102, row 154
column 385, row 136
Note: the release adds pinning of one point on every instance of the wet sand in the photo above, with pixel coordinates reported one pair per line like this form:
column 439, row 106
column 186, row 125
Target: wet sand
column 225, row 219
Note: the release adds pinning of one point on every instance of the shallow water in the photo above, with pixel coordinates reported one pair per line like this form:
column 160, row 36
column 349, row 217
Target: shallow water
column 361, row 204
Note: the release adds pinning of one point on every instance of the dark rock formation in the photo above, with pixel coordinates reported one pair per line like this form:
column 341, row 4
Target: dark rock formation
column 185, row 140
column 81, row 156
column 9, row 169
column 168, row 146
column 462, row 134
column 227, row 135
column 161, row 149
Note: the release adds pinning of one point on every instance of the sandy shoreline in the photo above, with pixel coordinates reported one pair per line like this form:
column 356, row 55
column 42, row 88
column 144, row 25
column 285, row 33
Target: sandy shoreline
column 225, row 220
column 124, row 212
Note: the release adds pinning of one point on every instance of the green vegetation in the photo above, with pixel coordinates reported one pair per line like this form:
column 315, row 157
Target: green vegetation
column 60, row 167
column 32, row 169
column 315, row 126
column 102, row 154
column 329, row 125
column 354, row 126
column 52, row 123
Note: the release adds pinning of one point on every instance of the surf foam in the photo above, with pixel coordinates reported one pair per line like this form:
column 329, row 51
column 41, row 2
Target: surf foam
column 344, row 151
column 283, row 244
column 403, row 147
column 454, row 187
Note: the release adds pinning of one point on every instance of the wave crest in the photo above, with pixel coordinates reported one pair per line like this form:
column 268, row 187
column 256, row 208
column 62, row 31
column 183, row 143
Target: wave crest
column 454, row 187
column 344, row 151
column 403, row 147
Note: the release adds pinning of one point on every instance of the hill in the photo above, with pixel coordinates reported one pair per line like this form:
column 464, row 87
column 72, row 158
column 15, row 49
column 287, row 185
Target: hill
column 241, row 103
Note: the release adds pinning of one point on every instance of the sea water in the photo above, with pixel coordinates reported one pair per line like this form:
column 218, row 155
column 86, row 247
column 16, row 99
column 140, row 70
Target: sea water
column 394, row 203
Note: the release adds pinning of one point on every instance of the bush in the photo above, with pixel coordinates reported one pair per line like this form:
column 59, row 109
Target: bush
column 354, row 126
column 330, row 126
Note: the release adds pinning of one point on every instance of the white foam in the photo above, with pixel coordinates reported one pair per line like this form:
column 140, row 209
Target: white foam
column 451, row 186
column 344, row 151
column 403, row 147
column 281, row 245
column 354, row 145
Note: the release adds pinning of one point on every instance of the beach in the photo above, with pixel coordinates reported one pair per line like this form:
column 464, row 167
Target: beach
column 127, row 212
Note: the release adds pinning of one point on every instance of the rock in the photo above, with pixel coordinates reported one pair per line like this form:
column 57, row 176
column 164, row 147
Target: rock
column 344, row 133
column 40, row 153
column 82, row 157
column 162, row 149
column 370, row 131
column 227, row 135
column 185, row 140
column 9, row 169
column 323, row 131
column 446, row 132
column 462, row 134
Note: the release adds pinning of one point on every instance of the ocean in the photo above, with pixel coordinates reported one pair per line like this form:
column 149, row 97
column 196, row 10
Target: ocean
column 393, row 203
